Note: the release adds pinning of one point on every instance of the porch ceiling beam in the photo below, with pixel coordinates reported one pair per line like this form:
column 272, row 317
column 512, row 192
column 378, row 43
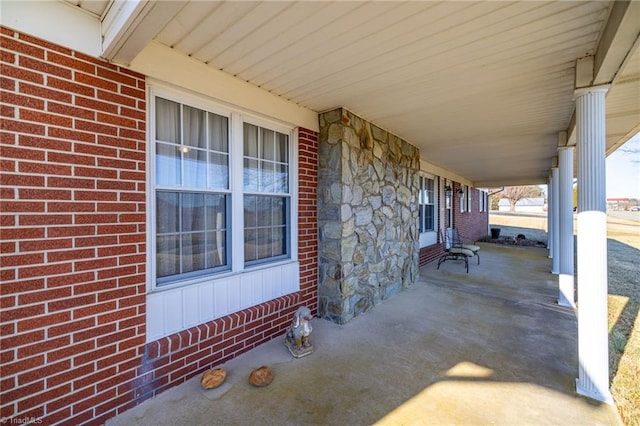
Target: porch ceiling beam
column 130, row 25
column 617, row 43
column 427, row 167
column 617, row 39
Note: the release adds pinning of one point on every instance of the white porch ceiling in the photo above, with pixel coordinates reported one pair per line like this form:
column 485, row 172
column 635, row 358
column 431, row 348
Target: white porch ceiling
column 481, row 88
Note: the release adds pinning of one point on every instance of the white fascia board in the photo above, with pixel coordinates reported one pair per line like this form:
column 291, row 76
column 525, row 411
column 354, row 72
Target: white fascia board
column 56, row 22
column 117, row 25
column 162, row 63
column 131, row 24
column 427, row 167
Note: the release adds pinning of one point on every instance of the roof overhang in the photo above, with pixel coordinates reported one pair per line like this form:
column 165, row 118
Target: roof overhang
column 484, row 89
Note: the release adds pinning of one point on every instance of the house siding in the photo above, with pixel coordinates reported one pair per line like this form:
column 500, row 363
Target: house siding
column 73, row 265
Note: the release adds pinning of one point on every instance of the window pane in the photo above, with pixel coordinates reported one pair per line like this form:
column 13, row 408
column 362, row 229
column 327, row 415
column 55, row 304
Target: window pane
column 167, row 255
column 216, row 253
column 193, row 252
column 192, row 212
column 264, row 243
column 281, row 183
column 195, row 168
column 167, row 121
column 216, row 211
column 263, row 211
column 265, row 226
column 429, row 198
column 194, row 127
column 250, row 244
column 168, row 165
column 421, row 218
column 218, row 171
column 278, row 211
column 218, row 133
column 429, row 218
column 268, row 144
column 279, row 244
column 250, row 211
column 167, row 212
column 282, row 148
column 267, row 176
column 250, row 175
column 250, row 140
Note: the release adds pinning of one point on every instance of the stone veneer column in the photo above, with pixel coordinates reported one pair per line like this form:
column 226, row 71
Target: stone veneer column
column 593, row 350
column 367, row 215
column 565, row 214
column 555, row 217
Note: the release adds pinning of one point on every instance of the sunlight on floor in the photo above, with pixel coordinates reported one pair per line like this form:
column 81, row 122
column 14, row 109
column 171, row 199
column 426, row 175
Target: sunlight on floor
column 468, row 395
column 469, row 369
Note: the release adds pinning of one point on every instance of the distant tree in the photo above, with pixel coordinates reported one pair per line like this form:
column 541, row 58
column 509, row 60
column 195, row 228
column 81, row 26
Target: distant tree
column 517, row 193
column 632, row 147
column 494, row 200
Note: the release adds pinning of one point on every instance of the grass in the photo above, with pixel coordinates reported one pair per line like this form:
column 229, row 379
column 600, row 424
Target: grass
column 623, row 252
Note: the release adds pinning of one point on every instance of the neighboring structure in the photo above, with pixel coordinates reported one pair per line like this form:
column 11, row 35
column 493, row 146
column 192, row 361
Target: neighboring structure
column 621, row 203
column 150, row 232
column 530, row 205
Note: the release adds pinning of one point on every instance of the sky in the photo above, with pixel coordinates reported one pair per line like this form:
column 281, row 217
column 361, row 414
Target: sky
column 623, row 171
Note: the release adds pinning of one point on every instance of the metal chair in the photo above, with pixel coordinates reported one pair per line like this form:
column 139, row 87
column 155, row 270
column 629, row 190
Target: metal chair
column 452, row 252
column 456, row 241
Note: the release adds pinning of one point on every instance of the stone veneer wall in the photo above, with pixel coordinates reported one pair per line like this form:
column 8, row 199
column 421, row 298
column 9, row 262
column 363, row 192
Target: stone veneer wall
column 367, row 215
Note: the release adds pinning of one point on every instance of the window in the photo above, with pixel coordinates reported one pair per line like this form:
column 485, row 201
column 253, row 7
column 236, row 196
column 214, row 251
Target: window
column 482, row 201
column 465, row 198
column 426, row 213
column 195, row 159
column 191, row 191
column 266, row 190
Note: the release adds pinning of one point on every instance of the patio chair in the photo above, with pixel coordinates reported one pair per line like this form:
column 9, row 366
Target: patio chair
column 456, row 241
column 452, row 252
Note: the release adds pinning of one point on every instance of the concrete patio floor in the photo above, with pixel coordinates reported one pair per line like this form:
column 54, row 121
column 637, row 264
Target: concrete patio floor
column 488, row 347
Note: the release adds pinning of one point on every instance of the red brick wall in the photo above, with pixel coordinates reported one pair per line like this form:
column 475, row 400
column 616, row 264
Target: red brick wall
column 472, row 225
column 308, row 218
column 73, row 237
column 73, row 231
column 430, row 253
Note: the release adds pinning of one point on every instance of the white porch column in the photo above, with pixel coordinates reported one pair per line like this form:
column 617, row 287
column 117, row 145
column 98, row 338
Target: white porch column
column 549, row 214
column 554, row 226
column 593, row 352
column 565, row 220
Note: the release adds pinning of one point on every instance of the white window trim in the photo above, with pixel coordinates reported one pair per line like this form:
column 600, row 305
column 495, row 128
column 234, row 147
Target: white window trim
column 177, row 306
column 468, row 197
column 429, row 238
column 482, row 201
